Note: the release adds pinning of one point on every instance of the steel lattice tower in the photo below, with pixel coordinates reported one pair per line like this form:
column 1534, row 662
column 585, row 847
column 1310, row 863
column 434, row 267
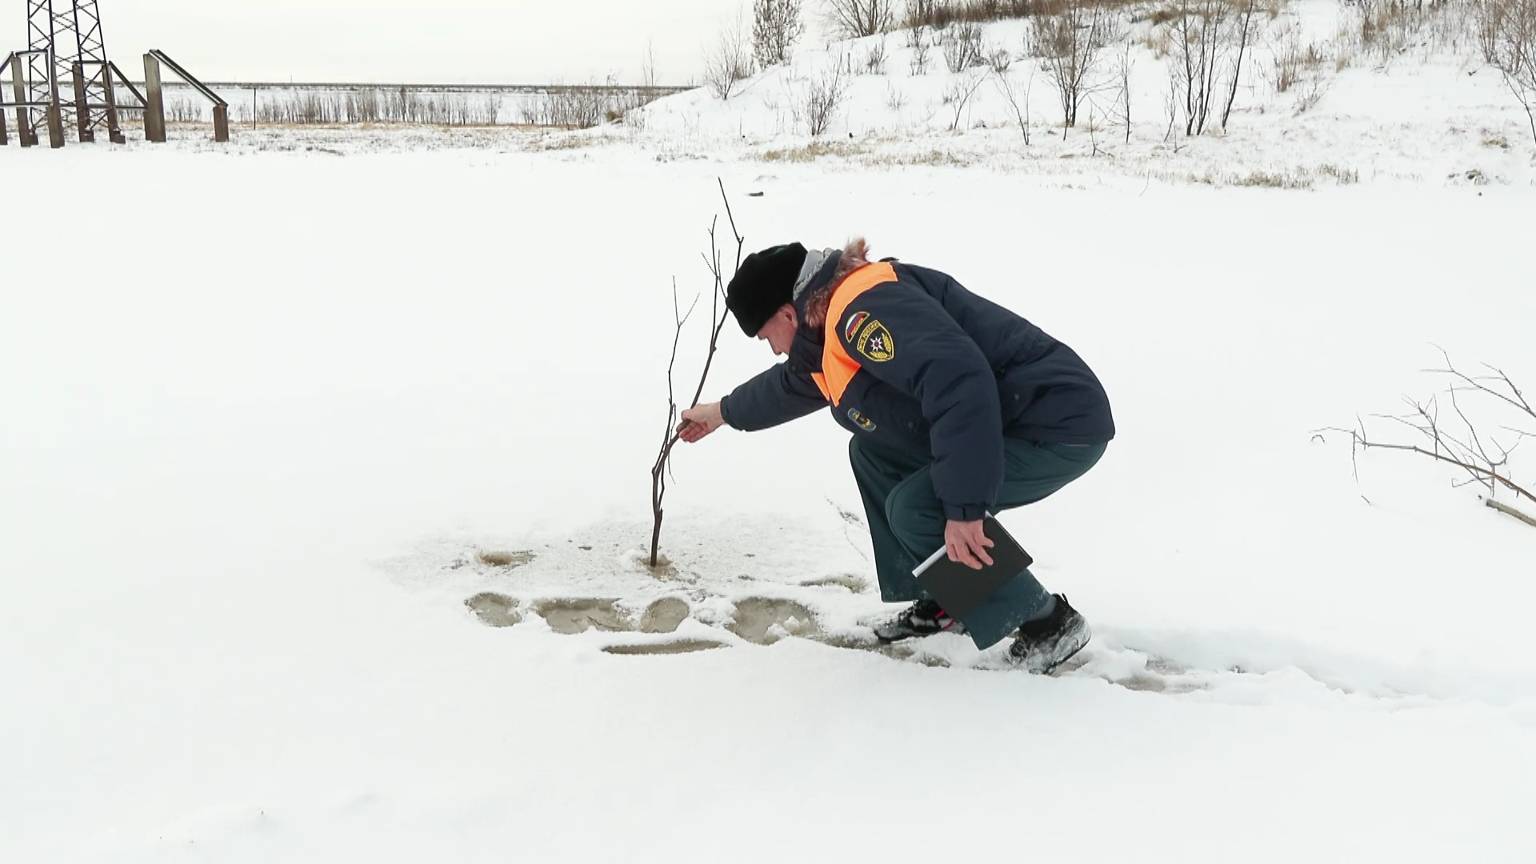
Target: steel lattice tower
column 71, row 31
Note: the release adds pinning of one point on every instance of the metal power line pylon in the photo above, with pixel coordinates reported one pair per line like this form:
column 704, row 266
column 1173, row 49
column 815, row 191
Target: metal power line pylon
column 69, row 32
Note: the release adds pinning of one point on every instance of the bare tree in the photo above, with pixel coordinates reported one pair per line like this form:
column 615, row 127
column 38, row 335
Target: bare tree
column 776, row 27
column 1507, row 34
column 659, row 469
column 1200, row 35
column 855, row 19
column 1123, row 64
column 1012, row 94
column 1244, row 27
column 729, row 62
column 1452, row 437
column 958, row 95
column 1070, row 41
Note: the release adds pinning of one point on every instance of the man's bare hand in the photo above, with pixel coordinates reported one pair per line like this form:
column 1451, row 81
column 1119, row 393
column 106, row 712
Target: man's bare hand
column 698, row 421
column 967, row 544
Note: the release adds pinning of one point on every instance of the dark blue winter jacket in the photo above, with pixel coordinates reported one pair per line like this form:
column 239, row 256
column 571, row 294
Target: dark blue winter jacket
column 957, row 375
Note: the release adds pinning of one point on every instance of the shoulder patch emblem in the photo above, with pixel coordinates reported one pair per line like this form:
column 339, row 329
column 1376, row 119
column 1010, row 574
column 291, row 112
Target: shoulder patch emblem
column 854, row 321
column 876, row 343
column 860, row 420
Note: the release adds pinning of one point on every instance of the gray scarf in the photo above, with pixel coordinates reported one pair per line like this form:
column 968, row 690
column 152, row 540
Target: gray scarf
column 814, row 259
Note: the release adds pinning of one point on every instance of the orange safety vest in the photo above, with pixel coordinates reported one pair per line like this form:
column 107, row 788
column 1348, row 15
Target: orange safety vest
column 837, row 367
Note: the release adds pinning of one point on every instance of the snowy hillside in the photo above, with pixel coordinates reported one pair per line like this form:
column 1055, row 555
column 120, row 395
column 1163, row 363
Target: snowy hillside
column 1315, row 105
column 321, row 514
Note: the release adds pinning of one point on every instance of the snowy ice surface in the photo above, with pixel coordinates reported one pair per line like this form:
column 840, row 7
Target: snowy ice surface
column 253, row 466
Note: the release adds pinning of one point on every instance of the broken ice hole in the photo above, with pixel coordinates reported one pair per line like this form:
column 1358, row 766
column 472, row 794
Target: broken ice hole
column 764, row 620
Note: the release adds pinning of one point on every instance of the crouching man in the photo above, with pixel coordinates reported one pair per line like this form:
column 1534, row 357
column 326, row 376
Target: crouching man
column 958, row 407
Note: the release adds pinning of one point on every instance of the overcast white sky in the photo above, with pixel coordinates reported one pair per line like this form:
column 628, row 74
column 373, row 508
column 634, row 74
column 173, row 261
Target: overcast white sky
column 455, row 41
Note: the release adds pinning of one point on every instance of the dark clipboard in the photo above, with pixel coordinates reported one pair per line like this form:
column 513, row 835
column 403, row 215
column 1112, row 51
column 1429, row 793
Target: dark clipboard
column 958, row 588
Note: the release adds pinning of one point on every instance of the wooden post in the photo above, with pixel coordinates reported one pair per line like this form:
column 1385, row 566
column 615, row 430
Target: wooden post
column 82, row 107
column 55, row 125
column 114, row 134
column 154, row 111
column 55, row 110
column 23, row 115
column 221, row 123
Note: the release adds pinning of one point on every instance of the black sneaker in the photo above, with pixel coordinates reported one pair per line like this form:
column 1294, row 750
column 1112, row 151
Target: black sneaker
column 1042, row 645
column 923, row 618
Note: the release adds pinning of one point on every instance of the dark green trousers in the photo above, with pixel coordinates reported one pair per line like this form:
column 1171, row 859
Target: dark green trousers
column 906, row 521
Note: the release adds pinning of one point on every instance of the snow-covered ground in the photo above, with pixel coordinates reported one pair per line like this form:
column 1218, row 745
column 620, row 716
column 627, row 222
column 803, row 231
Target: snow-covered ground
column 354, row 395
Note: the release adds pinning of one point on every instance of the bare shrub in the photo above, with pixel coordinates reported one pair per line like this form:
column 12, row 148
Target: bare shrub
column 776, row 27
column 1507, row 35
column 579, row 107
column 1013, row 94
column 1069, row 43
column 1210, row 38
column 728, row 62
column 855, row 19
column 920, row 46
column 1487, row 419
column 999, row 60
column 942, row 13
column 1311, row 93
column 183, row 111
column 894, row 98
column 822, row 96
column 958, row 95
column 963, row 47
column 874, row 60
column 1287, row 60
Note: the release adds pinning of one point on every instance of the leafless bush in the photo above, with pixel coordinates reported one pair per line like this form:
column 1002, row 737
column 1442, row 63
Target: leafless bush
column 1288, row 59
column 999, row 61
column 963, row 47
column 1015, row 94
column 776, row 27
column 1209, row 38
column 1459, row 436
column 822, row 96
column 894, row 98
column 183, row 111
column 959, row 94
column 728, row 62
column 377, row 105
column 855, row 19
column 920, row 47
column 1507, row 35
column 1386, row 27
column 874, row 59
column 942, row 13
column 580, row 107
column 1311, row 93
column 1069, row 42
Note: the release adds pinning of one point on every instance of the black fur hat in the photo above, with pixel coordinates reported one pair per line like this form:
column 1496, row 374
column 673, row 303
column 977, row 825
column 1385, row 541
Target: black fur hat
column 765, row 281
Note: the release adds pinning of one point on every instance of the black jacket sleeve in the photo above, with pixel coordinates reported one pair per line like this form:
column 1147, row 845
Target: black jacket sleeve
column 903, row 337
column 777, row 395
